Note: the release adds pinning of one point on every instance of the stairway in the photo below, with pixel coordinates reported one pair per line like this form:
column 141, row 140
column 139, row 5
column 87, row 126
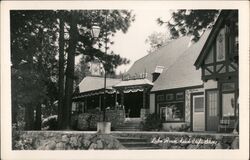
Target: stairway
column 130, row 124
column 133, row 143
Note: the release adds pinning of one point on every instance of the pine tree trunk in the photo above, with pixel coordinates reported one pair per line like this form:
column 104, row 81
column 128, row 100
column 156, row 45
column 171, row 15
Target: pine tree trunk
column 29, row 117
column 38, row 121
column 29, row 111
column 61, row 73
column 70, row 73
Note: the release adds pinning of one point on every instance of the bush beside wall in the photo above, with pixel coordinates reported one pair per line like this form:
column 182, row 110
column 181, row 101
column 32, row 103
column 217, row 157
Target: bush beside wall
column 88, row 121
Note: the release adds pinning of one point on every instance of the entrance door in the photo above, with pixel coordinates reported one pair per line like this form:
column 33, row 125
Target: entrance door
column 212, row 104
column 198, row 113
column 133, row 104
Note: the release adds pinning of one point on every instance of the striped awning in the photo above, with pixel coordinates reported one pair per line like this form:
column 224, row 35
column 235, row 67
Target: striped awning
column 92, row 93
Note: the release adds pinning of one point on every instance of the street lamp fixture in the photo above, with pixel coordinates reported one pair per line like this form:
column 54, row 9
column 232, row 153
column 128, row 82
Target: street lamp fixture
column 95, row 30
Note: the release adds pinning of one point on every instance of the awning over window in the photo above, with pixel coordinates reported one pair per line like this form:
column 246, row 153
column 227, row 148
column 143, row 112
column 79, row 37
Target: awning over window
column 93, row 93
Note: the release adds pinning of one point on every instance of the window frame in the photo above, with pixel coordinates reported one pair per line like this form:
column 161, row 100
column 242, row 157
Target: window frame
column 168, row 103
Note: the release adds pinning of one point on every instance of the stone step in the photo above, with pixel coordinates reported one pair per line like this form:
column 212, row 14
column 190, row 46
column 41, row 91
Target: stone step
column 128, row 126
column 134, row 143
column 131, row 139
column 138, row 144
column 127, row 129
column 143, row 148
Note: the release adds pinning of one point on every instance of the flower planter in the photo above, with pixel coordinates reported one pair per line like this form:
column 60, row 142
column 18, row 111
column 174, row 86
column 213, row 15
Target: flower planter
column 104, row 127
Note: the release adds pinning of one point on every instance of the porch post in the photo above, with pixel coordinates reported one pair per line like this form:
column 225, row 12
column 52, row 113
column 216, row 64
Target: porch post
column 115, row 97
column 122, row 98
column 144, row 98
column 86, row 103
column 100, row 101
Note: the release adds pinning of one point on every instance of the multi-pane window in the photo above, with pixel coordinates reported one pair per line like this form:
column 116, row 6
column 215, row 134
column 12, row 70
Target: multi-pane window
column 172, row 112
column 160, row 97
column 199, row 104
column 212, row 103
column 228, row 104
column 228, row 99
column 180, row 96
column 169, row 96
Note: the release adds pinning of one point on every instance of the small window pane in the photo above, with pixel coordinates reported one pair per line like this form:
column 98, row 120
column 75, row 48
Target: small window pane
column 199, row 104
column 160, row 97
column 179, row 95
column 169, row 97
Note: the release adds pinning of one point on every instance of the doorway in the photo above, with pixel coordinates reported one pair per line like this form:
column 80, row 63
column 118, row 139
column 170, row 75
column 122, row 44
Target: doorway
column 133, row 102
column 212, row 112
column 198, row 113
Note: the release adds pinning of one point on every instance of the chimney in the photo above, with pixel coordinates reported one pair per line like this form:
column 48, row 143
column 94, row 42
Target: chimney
column 157, row 72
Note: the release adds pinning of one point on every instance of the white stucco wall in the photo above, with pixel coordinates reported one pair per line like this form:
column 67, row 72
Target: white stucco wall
column 210, row 84
column 151, row 103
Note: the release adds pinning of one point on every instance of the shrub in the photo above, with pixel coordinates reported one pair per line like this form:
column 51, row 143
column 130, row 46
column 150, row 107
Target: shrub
column 152, row 123
column 50, row 123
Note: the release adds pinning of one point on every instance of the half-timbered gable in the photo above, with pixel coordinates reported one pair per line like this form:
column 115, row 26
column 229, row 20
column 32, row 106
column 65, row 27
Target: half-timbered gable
column 219, row 56
column 219, row 63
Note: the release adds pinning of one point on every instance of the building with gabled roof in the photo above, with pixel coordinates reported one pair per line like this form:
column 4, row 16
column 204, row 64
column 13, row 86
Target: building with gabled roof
column 190, row 86
column 218, row 61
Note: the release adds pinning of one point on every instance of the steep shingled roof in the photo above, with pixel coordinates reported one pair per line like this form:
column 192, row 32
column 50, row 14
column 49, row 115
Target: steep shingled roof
column 165, row 56
column 95, row 83
column 183, row 72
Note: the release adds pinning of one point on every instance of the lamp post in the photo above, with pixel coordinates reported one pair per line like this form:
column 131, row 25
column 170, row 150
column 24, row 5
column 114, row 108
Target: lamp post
column 95, row 31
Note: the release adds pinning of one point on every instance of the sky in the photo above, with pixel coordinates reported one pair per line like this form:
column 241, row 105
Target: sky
column 131, row 45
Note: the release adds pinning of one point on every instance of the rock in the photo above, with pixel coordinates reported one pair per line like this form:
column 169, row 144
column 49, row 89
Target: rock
column 99, row 144
column 50, row 145
column 85, row 143
column 79, row 142
column 92, row 146
column 206, row 146
column 60, row 146
column 73, row 141
column 175, row 147
column 65, row 139
column 235, row 143
column 110, row 144
column 219, row 146
column 165, row 145
column 192, row 146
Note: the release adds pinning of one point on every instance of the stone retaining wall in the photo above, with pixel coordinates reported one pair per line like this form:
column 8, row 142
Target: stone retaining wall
column 78, row 140
column 63, row 140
